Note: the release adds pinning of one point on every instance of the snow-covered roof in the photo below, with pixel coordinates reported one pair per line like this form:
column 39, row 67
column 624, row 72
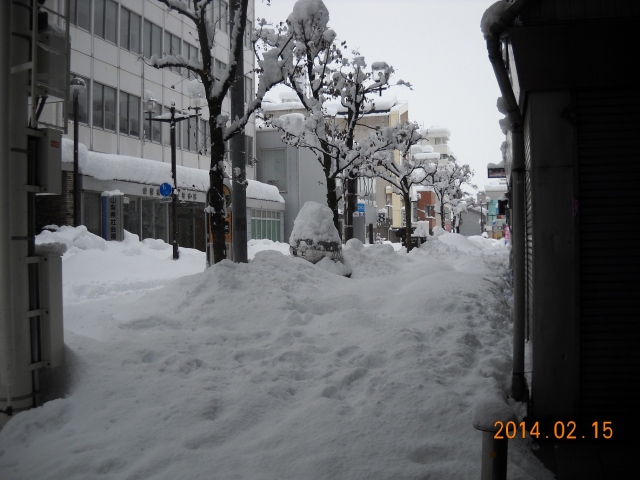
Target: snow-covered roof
column 436, row 129
column 288, row 100
column 108, row 166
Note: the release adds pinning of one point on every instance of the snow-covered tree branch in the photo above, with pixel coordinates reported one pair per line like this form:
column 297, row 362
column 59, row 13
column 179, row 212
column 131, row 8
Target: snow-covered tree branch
column 216, row 84
column 336, row 93
column 447, row 183
column 397, row 158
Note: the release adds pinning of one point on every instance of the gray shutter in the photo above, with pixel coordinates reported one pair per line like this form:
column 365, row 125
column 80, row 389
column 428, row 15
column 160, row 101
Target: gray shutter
column 609, row 207
column 528, row 214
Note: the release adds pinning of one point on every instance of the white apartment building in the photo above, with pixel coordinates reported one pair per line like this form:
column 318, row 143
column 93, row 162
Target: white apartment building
column 111, row 42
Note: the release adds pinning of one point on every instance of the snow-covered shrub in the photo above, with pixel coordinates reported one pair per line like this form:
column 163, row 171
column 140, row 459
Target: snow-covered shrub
column 314, row 235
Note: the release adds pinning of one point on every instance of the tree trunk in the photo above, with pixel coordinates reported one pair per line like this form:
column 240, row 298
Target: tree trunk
column 215, row 195
column 442, row 212
column 351, row 206
column 407, row 216
column 332, row 196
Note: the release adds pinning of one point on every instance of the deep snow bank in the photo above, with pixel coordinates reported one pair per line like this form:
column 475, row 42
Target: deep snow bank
column 276, row 369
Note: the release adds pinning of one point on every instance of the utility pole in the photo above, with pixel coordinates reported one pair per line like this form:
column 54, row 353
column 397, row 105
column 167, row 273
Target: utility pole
column 172, row 120
column 238, row 156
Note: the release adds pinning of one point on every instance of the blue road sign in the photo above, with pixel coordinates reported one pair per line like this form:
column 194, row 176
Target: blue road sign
column 165, row 189
column 361, row 207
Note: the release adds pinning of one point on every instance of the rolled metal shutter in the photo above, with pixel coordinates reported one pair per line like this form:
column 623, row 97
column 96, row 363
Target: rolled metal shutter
column 528, row 213
column 609, row 204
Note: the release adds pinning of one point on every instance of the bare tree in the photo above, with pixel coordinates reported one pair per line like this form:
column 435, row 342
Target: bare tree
column 447, row 182
column 394, row 159
column 216, row 85
column 319, row 74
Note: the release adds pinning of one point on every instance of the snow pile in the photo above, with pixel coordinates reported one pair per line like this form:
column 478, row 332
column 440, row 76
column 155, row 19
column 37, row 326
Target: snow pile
column 274, row 369
column 255, row 246
column 314, row 223
column 459, row 241
column 74, row 238
column 491, row 17
column 95, row 269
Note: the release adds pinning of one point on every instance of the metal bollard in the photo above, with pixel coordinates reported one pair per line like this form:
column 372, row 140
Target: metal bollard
column 487, row 416
column 494, row 455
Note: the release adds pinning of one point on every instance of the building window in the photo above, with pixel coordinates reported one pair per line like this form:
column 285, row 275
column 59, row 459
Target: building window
column 190, row 52
column 265, row 224
column 152, row 40
column 80, row 14
column 105, row 19
column 190, row 131
column 248, row 32
column 129, row 114
column 129, row 30
column 204, row 138
column 92, row 212
column 248, row 150
column 172, row 47
column 83, row 102
column 154, row 219
column 218, row 69
column 104, row 107
column 273, row 167
column 221, row 15
column 248, row 89
column 154, row 128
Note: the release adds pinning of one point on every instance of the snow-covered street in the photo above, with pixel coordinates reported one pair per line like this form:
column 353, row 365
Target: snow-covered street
column 276, row 369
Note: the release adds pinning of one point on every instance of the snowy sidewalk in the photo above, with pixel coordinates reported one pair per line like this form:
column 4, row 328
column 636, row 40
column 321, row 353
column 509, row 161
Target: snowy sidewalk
column 276, row 369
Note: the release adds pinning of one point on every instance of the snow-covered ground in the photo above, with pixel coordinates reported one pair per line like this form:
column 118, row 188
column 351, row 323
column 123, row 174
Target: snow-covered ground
column 276, row 369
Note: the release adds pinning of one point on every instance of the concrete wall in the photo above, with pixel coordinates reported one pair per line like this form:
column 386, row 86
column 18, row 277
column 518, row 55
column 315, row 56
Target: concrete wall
column 305, row 179
column 554, row 334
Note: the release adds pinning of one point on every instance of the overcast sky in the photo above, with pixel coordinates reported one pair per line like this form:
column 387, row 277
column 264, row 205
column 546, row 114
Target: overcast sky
column 438, row 47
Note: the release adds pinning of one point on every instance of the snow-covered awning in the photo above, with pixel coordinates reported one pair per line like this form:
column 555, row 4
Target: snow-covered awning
column 108, row 166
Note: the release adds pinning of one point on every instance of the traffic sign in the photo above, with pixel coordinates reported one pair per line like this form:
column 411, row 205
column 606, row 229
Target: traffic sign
column 165, row 189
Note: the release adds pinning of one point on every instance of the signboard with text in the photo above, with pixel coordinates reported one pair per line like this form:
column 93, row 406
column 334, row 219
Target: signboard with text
column 112, row 209
column 496, row 173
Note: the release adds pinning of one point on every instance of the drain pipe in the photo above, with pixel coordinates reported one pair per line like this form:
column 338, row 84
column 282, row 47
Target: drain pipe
column 506, row 19
column 7, row 336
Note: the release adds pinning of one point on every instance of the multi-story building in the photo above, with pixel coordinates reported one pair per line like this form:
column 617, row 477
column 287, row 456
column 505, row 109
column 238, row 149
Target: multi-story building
column 438, row 138
column 112, row 42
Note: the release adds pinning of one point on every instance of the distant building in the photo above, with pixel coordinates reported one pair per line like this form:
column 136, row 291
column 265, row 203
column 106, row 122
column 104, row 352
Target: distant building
column 300, row 171
column 438, row 137
column 110, row 41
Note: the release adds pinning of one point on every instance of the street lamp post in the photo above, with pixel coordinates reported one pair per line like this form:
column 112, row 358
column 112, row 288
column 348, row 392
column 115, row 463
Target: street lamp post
column 77, row 88
column 487, row 200
column 150, row 108
column 172, row 120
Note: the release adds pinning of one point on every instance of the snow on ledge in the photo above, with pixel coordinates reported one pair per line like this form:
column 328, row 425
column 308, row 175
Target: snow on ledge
column 107, row 166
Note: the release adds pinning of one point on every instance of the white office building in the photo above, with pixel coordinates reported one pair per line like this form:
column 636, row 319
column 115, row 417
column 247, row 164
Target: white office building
column 111, row 42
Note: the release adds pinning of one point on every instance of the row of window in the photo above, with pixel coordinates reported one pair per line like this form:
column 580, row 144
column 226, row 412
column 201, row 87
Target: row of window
column 132, row 29
column 192, row 134
column 265, row 224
